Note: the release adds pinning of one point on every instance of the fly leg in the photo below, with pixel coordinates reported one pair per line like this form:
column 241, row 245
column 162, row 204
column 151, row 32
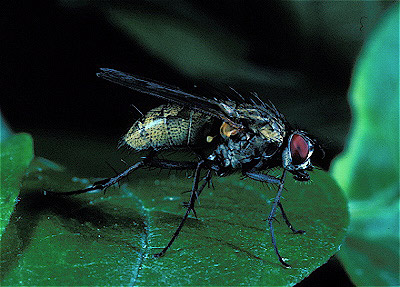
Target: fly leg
column 193, row 196
column 105, row 183
column 270, row 179
column 148, row 161
column 170, row 164
column 263, row 177
column 280, row 182
column 295, row 231
column 271, row 218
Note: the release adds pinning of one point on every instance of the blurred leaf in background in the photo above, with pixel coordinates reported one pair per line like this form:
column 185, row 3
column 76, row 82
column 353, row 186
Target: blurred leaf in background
column 16, row 153
column 196, row 47
column 5, row 130
column 368, row 169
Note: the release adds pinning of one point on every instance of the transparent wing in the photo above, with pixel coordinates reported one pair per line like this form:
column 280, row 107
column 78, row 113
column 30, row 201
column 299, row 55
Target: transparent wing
column 166, row 92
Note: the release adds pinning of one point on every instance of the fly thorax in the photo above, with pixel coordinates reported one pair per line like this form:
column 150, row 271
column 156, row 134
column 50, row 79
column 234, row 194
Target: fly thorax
column 236, row 153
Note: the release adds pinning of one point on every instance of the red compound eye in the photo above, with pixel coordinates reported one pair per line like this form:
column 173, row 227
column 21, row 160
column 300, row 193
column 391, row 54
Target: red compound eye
column 298, row 149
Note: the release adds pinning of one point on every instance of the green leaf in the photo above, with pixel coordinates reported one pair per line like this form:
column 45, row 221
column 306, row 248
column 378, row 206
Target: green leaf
column 16, row 154
column 109, row 239
column 368, row 169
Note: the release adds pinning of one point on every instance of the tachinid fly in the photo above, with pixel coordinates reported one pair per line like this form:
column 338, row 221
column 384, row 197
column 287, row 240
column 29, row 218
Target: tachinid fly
column 227, row 136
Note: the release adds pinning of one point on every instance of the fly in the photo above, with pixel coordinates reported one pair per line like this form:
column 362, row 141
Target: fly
column 227, row 136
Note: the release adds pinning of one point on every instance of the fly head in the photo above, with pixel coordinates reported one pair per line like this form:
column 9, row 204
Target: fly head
column 296, row 156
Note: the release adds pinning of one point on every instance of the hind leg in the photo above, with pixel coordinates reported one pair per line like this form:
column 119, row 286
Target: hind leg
column 148, row 161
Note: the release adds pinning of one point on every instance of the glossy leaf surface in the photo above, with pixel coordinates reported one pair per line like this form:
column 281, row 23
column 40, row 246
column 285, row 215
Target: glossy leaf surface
column 109, row 239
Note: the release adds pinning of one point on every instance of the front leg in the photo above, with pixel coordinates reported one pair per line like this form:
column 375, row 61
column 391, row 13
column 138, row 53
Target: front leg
column 270, row 179
column 263, row 177
column 295, row 231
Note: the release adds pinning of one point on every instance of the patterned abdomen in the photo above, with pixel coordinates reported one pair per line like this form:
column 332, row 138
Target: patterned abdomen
column 168, row 126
